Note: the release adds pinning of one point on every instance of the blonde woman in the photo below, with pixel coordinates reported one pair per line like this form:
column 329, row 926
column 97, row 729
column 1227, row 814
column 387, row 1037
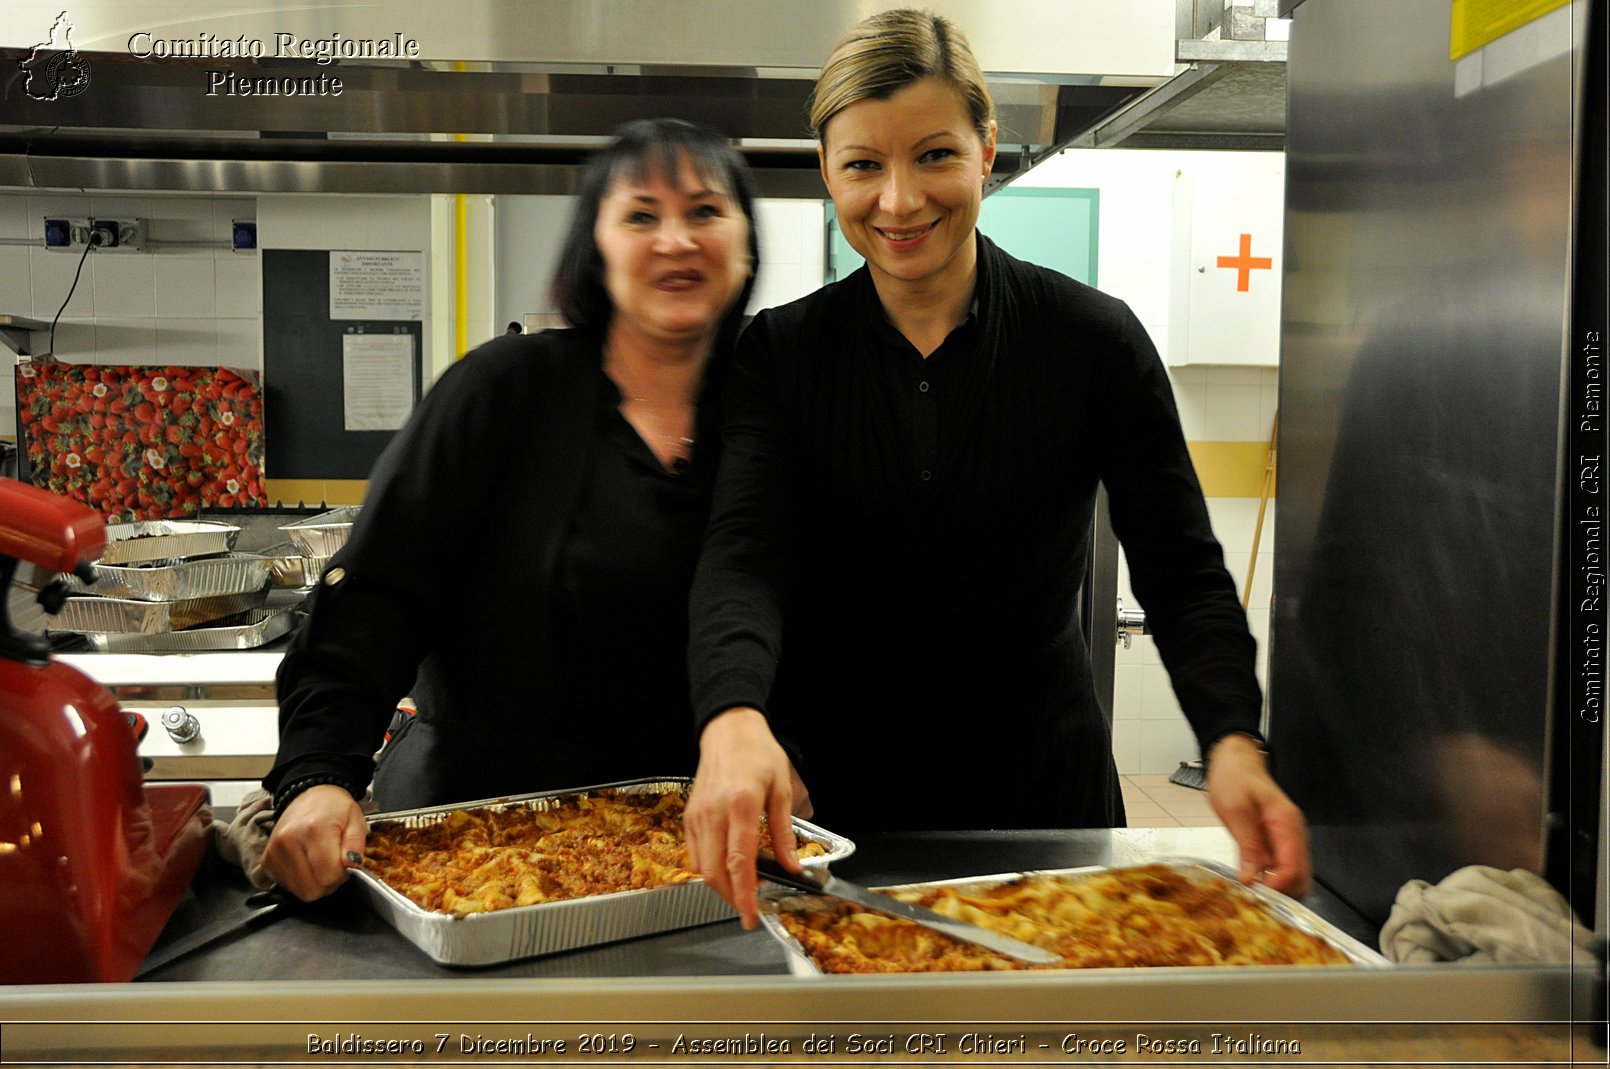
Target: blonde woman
column 904, row 508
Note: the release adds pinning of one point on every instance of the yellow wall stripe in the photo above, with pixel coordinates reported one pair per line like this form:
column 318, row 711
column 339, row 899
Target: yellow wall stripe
column 314, row 492
column 1230, row 469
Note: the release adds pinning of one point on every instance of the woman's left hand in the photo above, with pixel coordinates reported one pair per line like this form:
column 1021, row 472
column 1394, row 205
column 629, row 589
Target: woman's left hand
column 1267, row 826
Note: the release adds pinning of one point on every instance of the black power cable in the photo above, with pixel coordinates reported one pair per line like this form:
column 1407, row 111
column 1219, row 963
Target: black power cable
column 70, row 290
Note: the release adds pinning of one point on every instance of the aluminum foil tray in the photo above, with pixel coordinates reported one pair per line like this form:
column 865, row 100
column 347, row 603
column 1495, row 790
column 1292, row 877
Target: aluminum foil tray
column 290, row 569
column 166, row 540
column 550, row 927
column 128, row 616
column 1288, row 910
column 248, row 631
column 207, row 577
column 297, row 573
column 322, row 535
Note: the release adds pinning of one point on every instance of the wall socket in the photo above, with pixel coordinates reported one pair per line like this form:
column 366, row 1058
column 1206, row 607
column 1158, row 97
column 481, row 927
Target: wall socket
column 106, row 234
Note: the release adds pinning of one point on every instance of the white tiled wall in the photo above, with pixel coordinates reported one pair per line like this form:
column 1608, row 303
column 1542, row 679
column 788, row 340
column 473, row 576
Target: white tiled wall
column 188, row 298
column 793, row 248
column 1150, row 734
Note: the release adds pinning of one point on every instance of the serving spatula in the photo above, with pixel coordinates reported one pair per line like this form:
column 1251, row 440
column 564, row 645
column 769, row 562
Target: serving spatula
column 817, row 880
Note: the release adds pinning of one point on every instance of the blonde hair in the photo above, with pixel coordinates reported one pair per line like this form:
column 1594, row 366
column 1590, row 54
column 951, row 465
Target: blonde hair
column 884, row 53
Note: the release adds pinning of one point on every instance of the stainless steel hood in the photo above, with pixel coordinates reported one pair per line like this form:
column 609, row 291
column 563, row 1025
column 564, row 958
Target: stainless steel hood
column 508, row 95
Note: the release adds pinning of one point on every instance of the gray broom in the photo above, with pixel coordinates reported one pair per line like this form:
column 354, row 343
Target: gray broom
column 1190, row 774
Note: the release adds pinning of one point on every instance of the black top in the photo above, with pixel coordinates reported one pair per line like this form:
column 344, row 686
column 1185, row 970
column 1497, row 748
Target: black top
column 515, row 489
column 897, row 546
column 621, row 603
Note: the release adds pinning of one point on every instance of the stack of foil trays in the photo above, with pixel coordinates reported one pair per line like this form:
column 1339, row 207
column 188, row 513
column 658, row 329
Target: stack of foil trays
column 174, row 586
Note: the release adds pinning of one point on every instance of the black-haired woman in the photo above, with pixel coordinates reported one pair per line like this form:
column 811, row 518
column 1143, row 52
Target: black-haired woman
column 522, row 560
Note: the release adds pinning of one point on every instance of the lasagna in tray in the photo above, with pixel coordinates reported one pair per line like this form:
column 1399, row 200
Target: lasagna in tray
column 1152, row 915
column 495, row 857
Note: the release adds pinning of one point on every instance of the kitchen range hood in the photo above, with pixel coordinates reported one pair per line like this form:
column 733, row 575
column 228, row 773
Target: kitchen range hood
column 508, row 95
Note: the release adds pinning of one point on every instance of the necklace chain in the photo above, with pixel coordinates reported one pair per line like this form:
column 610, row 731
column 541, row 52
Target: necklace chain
column 685, row 440
column 680, row 441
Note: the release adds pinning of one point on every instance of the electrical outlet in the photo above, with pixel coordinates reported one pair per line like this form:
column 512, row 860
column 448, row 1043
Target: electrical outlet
column 103, row 233
column 66, row 234
column 118, row 235
column 58, row 233
column 107, row 235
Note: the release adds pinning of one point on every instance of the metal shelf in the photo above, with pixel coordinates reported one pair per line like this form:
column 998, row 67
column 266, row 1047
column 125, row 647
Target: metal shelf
column 17, row 332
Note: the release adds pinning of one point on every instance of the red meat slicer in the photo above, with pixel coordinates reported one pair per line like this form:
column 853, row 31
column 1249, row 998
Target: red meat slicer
column 92, row 861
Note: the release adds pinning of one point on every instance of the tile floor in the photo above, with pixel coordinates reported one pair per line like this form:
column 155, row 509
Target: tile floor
column 1154, row 802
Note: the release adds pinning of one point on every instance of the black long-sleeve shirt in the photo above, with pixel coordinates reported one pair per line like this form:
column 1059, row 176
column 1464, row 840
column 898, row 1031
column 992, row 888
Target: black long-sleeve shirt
column 520, row 566
column 897, row 545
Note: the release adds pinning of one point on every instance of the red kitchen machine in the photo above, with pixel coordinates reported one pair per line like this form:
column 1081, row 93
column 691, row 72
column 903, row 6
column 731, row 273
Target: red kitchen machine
column 92, row 861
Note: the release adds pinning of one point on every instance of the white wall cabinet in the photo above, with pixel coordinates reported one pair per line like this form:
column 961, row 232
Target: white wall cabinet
column 1229, row 230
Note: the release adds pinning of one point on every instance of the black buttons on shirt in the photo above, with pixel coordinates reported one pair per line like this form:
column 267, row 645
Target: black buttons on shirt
column 925, row 424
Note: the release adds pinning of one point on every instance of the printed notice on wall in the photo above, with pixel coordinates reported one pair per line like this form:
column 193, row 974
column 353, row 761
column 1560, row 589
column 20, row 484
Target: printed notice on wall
column 377, row 285
column 377, row 380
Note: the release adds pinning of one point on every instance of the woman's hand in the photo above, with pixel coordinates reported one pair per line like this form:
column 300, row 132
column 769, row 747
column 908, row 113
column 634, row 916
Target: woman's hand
column 742, row 773
column 315, row 842
column 1268, row 828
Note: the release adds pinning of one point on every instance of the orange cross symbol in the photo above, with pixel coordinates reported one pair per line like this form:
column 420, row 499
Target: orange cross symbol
column 1245, row 264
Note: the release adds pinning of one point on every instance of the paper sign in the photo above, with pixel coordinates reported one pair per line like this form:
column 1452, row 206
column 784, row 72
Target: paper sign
column 377, row 285
column 377, row 380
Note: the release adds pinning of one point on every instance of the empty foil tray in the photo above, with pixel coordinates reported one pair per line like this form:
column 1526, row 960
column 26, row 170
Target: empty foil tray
column 207, row 577
column 245, row 632
column 128, row 616
column 322, row 535
column 166, row 540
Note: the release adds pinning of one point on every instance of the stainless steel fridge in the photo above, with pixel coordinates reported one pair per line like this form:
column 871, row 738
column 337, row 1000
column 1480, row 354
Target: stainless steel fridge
column 1436, row 652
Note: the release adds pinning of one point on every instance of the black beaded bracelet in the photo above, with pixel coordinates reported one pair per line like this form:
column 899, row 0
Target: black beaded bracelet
column 287, row 794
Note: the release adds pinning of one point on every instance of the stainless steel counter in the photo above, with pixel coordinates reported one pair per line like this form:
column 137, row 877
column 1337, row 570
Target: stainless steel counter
column 341, row 937
column 332, row 971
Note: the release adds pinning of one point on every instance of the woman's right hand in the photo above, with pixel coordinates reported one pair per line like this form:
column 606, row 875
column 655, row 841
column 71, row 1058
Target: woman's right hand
column 315, row 841
column 743, row 772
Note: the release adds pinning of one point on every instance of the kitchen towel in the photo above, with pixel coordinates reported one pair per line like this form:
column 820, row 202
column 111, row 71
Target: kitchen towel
column 242, row 841
column 1482, row 915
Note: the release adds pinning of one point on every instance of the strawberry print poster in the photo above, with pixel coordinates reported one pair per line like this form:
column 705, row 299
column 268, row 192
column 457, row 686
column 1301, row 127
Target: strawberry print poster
column 143, row 443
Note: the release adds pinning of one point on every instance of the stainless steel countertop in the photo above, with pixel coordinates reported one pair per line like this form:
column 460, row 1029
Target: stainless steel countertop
column 333, row 971
column 342, row 938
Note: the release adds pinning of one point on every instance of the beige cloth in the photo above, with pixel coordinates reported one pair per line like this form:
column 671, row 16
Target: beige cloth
column 242, row 841
column 1480, row 914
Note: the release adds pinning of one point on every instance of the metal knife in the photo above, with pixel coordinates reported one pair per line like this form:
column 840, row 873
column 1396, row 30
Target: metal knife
column 817, row 880
column 262, row 906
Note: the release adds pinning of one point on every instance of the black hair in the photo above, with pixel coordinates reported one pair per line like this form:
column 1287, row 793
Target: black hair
column 638, row 150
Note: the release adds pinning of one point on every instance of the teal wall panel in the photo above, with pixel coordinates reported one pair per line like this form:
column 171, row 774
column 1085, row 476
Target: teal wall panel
column 1055, row 228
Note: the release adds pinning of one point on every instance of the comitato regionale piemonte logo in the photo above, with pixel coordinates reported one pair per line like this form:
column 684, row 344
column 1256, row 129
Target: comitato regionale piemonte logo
column 54, row 69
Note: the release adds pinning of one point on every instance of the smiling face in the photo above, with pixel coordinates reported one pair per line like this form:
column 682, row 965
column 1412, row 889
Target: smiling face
column 907, row 177
column 676, row 256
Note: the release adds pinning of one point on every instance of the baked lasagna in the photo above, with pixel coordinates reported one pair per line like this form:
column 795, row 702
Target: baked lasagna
column 1151, row 915
column 548, row 850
